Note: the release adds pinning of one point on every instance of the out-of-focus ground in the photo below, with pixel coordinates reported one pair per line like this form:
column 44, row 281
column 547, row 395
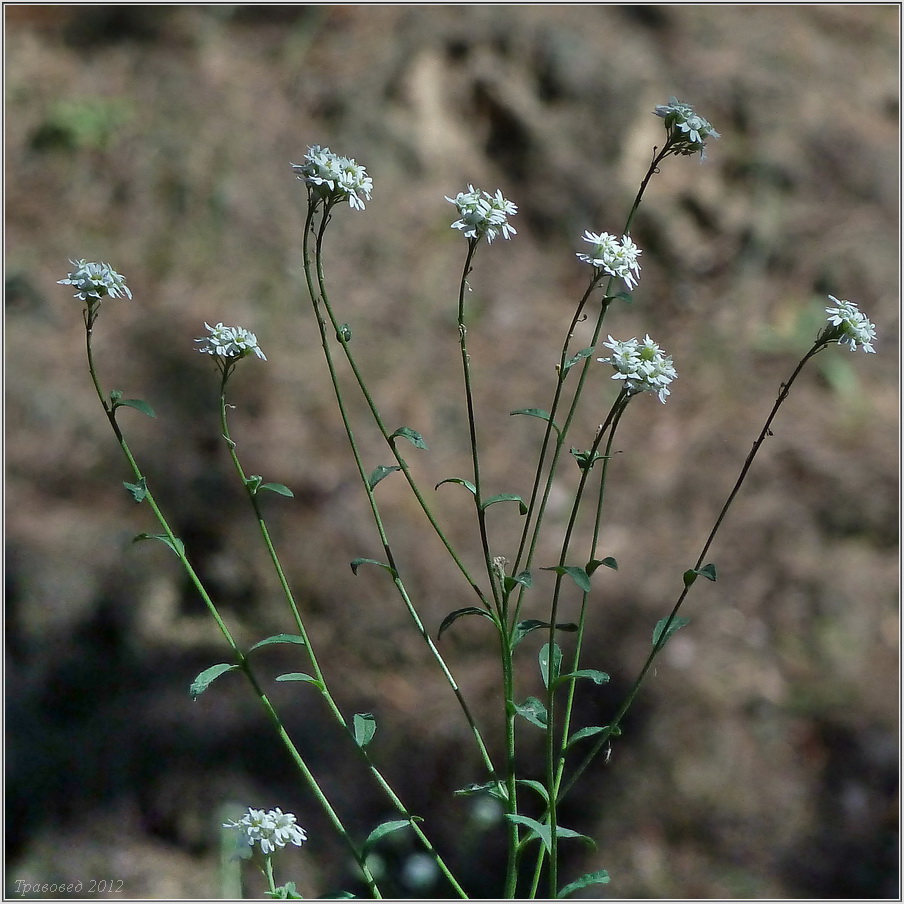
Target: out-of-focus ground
column 762, row 758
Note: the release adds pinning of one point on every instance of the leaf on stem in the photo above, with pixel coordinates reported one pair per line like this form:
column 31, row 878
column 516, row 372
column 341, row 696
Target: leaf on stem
column 578, row 574
column 505, row 497
column 278, row 638
column 208, row 676
column 523, row 628
column 707, row 571
column 673, row 625
column 137, row 404
column 601, row 877
column 588, row 732
column 301, row 676
column 594, row 675
column 523, row 578
column 593, row 564
column 583, row 353
column 138, row 490
column 465, row 483
column 365, row 728
column 534, row 711
column 543, row 832
column 278, row 488
column 381, row 472
column 586, row 459
column 494, row 789
column 541, row 414
column 385, row 828
column 537, row 786
column 458, row 613
column 550, row 665
column 287, row 892
column 412, row 436
column 176, row 545
column 355, row 564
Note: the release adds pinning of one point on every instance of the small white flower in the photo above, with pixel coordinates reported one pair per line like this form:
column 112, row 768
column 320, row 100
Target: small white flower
column 642, row 365
column 229, row 342
column 853, row 326
column 482, row 214
column 687, row 130
column 95, row 280
column 616, row 258
column 270, row 829
column 334, row 178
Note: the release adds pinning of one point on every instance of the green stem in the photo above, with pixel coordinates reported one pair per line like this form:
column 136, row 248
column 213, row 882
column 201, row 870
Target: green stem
column 241, row 661
column 613, row 728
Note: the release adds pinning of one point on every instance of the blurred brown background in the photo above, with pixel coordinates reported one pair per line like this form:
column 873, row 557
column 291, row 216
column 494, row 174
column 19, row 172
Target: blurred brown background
column 761, row 760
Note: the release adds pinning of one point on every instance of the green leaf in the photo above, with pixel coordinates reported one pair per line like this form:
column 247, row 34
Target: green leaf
column 300, row 676
column 601, row 877
column 676, row 623
column 593, row 564
column 580, row 577
column 381, row 472
column 176, row 545
column 465, row 483
column 384, row 829
column 538, row 413
column 365, row 728
column 588, row 732
column 583, row 353
column 543, row 831
column 586, row 459
column 412, row 436
column 523, row 628
column 707, row 571
column 550, row 674
column 537, row 786
column 278, row 638
column 137, row 404
column 626, row 297
column 494, row 789
column 208, row 676
column 458, row 613
column 279, row 488
column 285, row 892
column 505, row 497
column 357, row 563
column 253, row 483
column 534, row 711
column 138, row 490
column 595, row 676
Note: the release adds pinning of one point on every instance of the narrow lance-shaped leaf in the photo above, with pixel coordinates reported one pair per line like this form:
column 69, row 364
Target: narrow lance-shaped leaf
column 385, row 829
column 538, row 413
column 137, row 404
column 412, row 436
column 176, row 545
column 278, row 638
column 357, row 563
column 208, row 676
column 279, row 488
column 300, row 676
column 523, row 628
column 534, row 711
column 594, row 675
column 505, row 497
column 460, row 480
column 601, row 877
column 550, row 665
column 379, row 473
column 676, row 623
column 583, row 353
column 458, row 613
column 578, row 575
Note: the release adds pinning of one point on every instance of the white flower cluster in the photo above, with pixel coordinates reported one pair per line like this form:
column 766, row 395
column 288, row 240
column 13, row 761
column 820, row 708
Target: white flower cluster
column 642, row 365
column 334, row 178
column 687, row 130
column 853, row 326
column 95, row 280
column 616, row 258
column 229, row 342
column 270, row 829
column 483, row 214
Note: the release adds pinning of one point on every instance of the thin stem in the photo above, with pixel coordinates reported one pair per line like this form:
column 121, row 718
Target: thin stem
column 613, row 728
column 241, row 661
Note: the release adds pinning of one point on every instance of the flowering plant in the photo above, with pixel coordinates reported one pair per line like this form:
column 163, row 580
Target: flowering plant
column 506, row 586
